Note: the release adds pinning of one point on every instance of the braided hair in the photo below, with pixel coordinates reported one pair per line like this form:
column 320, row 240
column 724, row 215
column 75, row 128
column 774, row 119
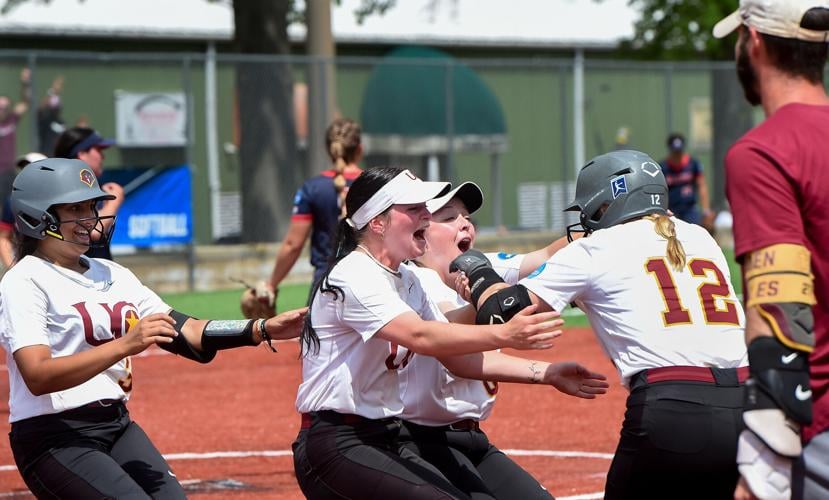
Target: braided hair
column 342, row 140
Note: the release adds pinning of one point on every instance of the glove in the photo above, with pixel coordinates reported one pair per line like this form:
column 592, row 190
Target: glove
column 258, row 302
column 767, row 473
column 469, row 262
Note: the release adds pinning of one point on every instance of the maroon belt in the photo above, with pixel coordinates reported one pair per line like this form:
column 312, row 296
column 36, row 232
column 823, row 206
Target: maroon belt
column 688, row 373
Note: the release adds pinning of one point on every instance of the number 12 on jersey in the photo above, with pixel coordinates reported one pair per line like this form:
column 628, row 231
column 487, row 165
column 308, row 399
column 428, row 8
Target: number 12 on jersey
column 708, row 293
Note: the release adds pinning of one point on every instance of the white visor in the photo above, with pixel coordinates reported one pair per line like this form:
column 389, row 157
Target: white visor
column 406, row 188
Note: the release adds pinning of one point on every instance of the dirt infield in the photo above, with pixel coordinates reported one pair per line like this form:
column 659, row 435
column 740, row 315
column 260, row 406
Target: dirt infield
column 227, row 427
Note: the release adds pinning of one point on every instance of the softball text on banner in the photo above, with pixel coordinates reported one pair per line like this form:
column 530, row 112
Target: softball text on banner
column 157, row 208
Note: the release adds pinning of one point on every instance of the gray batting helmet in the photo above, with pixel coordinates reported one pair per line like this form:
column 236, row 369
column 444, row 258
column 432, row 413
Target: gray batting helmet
column 629, row 184
column 45, row 183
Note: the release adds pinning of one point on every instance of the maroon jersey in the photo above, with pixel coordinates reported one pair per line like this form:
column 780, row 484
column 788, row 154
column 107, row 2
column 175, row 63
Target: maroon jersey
column 777, row 182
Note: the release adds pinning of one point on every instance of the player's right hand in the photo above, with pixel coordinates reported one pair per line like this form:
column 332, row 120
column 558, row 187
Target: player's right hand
column 526, row 331
column 153, row 329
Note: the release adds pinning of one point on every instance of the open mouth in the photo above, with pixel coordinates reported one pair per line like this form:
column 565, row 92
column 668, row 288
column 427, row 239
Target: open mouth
column 465, row 244
column 420, row 234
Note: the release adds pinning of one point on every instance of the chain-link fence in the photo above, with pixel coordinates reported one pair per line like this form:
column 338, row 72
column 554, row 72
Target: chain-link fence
column 519, row 128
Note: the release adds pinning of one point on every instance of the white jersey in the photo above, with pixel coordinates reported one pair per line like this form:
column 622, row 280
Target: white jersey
column 354, row 372
column 507, row 265
column 431, row 394
column 42, row 304
column 645, row 314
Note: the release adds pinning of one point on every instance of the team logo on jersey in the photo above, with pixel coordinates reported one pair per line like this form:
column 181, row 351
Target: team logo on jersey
column 87, row 177
column 651, row 168
column 505, row 255
column 130, row 319
column 619, row 186
column 537, row 271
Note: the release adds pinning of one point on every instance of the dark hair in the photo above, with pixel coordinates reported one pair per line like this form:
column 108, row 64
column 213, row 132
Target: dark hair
column 799, row 58
column 346, row 240
column 70, row 138
column 23, row 245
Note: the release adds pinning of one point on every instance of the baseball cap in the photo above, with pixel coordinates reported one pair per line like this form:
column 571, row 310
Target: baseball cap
column 93, row 140
column 32, row 157
column 406, row 188
column 468, row 192
column 780, row 18
column 676, row 142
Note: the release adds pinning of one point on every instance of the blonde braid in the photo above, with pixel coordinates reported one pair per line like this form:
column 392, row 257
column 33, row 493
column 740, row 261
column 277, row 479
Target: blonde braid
column 664, row 227
column 343, row 139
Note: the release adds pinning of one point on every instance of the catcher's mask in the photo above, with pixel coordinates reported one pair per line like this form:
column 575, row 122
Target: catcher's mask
column 617, row 187
column 43, row 184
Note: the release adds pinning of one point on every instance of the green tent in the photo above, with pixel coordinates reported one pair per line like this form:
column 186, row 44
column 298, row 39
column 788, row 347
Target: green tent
column 420, row 102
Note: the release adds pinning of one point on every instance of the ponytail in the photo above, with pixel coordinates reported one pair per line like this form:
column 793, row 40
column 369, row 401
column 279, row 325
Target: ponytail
column 337, row 151
column 343, row 142
column 665, row 227
column 344, row 243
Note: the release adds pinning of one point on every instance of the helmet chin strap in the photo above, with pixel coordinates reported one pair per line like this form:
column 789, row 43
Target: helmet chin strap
column 53, row 230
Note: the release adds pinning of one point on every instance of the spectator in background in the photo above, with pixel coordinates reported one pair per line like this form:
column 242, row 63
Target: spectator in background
column 7, row 218
column 687, row 190
column 9, row 117
column 85, row 144
column 49, row 121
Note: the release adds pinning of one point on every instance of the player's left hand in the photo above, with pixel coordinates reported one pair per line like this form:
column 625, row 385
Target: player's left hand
column 575, row 380
column 287, row 325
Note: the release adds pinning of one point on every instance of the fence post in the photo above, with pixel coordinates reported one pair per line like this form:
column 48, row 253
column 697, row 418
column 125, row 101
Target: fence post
column 187, row 85
column 578, row 108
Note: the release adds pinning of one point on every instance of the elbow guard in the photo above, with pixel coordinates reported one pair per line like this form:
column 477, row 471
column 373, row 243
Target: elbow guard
column 181, row 346
column 502, row 305
column 779, row 284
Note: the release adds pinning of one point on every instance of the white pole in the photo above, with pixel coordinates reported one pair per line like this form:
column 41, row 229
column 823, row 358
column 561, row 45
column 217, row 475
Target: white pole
column 213, row 178
column 578, row 109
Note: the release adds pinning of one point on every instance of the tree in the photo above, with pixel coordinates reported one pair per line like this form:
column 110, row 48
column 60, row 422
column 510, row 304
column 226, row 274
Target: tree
column 681, row 30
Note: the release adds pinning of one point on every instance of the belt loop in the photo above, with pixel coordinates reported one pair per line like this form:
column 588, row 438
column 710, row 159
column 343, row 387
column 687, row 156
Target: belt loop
column 726, row 377
column 638, row 380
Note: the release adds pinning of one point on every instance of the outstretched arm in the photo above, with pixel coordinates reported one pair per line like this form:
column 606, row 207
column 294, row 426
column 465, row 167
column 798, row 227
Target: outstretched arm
column 569, row 378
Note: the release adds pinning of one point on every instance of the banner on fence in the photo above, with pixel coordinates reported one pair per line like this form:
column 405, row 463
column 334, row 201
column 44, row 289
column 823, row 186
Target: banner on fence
column 157, row 209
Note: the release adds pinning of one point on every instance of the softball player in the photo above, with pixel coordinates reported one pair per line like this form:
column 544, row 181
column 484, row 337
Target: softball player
column 68, row 324
column 658, row 295
column 364, row 309
column 318, row 206
column 442, row 409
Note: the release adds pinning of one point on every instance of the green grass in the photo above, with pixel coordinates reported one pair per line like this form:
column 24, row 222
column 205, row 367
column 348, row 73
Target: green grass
column 224, row 304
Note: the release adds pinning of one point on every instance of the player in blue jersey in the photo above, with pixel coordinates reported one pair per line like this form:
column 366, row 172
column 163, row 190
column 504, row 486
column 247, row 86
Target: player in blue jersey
column 687, row 191
column 318, row 206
